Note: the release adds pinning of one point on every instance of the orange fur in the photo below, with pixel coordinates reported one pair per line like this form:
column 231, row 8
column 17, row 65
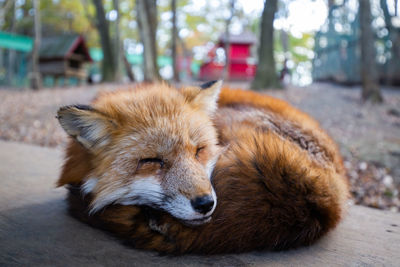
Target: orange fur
column 279, row 180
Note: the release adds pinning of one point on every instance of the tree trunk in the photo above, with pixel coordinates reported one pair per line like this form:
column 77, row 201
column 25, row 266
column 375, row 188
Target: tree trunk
column 285, row 47
column 331, row 4
column 11, row 52
column 147, row 22
column 185, row 62
column 118, row 50
column 173, row 43
column 369, row 73
column 128, row 68
column 108, row 64
column 36, row 82
column 227, row 44
column 266, row 76
column 394, row 37
column 4, row 9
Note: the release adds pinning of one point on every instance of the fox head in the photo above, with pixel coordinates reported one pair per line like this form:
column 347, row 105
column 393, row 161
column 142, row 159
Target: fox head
column 154, row 146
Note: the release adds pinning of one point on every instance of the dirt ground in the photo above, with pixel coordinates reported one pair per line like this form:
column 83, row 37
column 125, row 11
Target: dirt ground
column 368, row 135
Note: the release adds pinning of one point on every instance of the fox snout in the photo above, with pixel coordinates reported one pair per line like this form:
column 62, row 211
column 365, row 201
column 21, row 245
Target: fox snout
column 194, row 198
column 203, row 204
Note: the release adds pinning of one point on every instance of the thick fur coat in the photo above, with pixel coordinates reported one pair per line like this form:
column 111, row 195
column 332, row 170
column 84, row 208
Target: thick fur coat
column 278, row 177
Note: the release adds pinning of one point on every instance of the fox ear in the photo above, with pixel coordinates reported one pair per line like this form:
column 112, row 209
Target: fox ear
column 208, row 96
column 88, row 126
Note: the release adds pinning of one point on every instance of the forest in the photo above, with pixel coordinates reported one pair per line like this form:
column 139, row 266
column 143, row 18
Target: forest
column 149, row 31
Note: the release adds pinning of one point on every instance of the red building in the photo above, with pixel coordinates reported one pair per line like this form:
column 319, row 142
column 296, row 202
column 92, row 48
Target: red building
column 242, row 65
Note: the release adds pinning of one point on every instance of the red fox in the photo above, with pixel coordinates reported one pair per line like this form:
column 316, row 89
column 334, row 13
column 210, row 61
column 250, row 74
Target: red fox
column 201, row 170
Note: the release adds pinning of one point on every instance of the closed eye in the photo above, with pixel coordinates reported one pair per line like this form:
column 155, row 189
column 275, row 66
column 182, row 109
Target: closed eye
column 199, row 150
column 150, row 161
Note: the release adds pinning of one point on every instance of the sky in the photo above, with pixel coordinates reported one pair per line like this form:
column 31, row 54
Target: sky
column 303, row 16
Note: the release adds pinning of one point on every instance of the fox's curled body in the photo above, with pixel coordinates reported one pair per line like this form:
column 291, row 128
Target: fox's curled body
column 279, row 178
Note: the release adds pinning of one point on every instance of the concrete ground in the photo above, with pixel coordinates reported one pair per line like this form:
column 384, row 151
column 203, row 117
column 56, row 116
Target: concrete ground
column 35, row 229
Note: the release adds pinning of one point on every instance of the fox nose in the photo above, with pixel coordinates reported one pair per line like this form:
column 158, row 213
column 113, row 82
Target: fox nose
column 203, row 204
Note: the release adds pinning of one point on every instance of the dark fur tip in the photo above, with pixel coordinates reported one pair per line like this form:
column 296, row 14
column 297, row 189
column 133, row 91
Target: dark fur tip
column 80, row 107
column 208, row 84
column 84, row 107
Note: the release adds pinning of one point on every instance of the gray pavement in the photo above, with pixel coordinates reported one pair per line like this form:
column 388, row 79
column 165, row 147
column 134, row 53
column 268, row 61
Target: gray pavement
column 35, row 229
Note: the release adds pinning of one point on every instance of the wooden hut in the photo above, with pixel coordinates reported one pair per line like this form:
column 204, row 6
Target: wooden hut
column 64, row 56
column 14, row 59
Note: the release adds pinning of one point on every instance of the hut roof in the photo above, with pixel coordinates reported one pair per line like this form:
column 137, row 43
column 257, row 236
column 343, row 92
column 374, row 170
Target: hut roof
column 63, row 46
column 242, row 38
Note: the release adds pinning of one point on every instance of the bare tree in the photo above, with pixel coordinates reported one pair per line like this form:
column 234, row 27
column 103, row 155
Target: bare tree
column 119, row 49
column 11, row 52
column 147, row 22
column 266, row 76
column 117, row 44
column 174, row 41
column 227, row 44
column 109, row 63
column 5, row 8
column 185, row 54
column 36, row 82
column 331, row 5
column 394, row 36
column 128, row 68
column 369, row 73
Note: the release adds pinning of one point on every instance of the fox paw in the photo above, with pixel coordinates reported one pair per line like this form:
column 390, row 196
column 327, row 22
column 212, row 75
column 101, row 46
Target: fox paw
column 159, row 228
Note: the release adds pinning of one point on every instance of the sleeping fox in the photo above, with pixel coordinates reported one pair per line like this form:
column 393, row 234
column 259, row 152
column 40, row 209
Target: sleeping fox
column 201, row 170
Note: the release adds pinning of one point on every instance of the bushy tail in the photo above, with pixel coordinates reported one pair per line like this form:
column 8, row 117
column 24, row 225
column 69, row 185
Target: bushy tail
column 296, row 199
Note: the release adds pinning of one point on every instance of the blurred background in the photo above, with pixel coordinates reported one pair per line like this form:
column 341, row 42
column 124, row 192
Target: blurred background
column 338, row 60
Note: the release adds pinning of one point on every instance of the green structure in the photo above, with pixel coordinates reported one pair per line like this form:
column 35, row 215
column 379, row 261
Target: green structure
column 14, row 58
column 136, row 61
column 337, row 50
